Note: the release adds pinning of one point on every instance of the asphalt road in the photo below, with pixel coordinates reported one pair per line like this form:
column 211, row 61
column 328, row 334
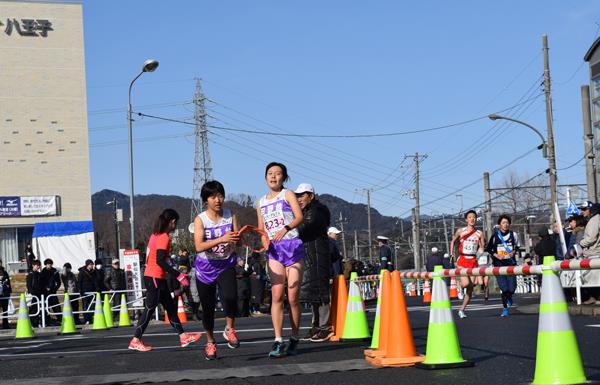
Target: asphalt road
column 503, row 350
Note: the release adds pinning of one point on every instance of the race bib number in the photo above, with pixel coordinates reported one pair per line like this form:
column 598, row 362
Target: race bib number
column 502, row 252
column 273, row 219
column 470, row 247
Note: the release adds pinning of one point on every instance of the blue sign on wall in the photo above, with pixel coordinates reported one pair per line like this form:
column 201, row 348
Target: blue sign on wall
column 10, row 206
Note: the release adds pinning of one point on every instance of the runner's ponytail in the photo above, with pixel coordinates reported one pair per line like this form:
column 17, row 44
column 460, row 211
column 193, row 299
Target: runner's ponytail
column 161, row 225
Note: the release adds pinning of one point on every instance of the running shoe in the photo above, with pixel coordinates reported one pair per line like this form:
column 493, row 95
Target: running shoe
column 292, row 347
column 460, row 294
column 461, row 314
column 188, row 338
column 310, row 334
column 504, row 313
column 210, row 351
column 322, row 335
column 278, row 350
column 139, row 346
column 509, row 302
column 231, row 338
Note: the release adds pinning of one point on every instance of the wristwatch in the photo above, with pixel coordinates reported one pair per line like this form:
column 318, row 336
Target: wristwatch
column 288, row 228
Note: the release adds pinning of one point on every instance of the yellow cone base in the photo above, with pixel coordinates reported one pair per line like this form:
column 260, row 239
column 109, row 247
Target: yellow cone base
column 405, row 361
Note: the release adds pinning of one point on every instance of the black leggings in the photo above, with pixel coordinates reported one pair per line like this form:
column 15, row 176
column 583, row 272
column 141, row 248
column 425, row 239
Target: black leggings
column 157, row 292
column 228, row 285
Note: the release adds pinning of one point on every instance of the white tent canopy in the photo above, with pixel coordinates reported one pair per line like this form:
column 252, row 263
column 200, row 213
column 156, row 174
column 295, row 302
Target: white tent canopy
column 63, row 242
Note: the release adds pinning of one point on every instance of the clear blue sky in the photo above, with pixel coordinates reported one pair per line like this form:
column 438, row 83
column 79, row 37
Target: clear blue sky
column 336, row 67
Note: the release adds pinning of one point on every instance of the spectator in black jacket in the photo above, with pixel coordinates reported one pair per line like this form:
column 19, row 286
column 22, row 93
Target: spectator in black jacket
column 87, row 284
column 115, row 281
column 34, row 288
column 28, row 256
column 334, row 252
column 99, row 276
column 69, row 281
column 258, row 280
column 5, row 291
column 50, row 282
column 315, row 288
column 242, row 275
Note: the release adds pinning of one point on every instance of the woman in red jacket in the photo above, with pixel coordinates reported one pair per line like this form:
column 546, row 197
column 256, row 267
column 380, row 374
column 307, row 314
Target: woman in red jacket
column 155, row 282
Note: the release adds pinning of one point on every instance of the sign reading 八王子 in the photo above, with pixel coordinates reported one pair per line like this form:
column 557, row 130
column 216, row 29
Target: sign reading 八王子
column 26, row 27
column 29, row 206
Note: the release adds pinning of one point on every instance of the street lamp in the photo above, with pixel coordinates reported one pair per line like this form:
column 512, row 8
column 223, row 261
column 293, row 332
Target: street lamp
column 544, row 146
column 149, row 66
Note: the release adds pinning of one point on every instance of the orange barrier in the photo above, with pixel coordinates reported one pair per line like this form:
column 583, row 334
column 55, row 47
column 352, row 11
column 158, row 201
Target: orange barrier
column 426, row 292
column 341, row 304
column 400, row 349
column 453, row 289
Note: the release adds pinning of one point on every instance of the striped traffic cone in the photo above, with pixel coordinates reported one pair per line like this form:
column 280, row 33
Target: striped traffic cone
column 106, row 308
column 443, row 348
column 341, row 303
column 376, row 326
column 99, row 321
column 379, row 344
column 124, row 313
column 453, row 289
column 355, row 325
column 181, row 311
column 24, row 329
column 426, row 292
column 400, row 350
column 67, row 325
column 556, row 337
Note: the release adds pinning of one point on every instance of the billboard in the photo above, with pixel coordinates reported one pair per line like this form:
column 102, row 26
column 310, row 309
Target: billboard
column 29, row 206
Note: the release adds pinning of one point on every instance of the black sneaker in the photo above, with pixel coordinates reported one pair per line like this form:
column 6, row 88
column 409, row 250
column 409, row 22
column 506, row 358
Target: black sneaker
column 292, row 347
column 278, row 350
column 310, row 334
column 322, row 335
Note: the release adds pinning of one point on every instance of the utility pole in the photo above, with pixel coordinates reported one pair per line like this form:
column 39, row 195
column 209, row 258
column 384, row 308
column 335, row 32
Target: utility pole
column 415, row 237
column 202, row 163
column 369, row 224
column 417, row 211
column 488, row 205
column 588, row 141
column 549, row 122
column 116, row 218
column 342, row 221
column 446, row 235
column 356, row 245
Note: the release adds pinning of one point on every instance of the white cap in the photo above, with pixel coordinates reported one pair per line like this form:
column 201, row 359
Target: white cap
column 434, row 249
column 382, row 238
column 304, row 187
column 334, row 230
column 446, row 255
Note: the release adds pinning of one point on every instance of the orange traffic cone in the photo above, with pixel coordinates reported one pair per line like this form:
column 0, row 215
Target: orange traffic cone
column 384, row 319
column 426, row 292
column 181, row 311
column 167, row 317
column 341, row 304
column 453, row 289
column 413, row 286
column 400, row 349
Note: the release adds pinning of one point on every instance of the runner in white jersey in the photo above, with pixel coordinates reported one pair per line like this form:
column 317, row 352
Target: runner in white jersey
column 470, row 245
column 279, row 214
column 215, row 234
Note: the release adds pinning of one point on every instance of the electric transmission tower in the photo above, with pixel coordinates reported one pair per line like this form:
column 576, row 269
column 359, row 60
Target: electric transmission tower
column 202, row 167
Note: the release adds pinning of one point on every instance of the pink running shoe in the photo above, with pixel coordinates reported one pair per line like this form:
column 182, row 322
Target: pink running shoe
column 139, row 346
column 188, row 338
column 230, row 336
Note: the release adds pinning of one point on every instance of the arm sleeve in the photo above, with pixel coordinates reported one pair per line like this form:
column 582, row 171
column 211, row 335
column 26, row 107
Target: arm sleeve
column 491, row 247
column 161, row 260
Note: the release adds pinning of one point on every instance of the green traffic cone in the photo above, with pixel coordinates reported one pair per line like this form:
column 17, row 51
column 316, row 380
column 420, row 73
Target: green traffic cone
column 443, row 347
column 67, row 326
column 108, row 318
column 24, row 329
column 124, row 313
column 99, row 322
column 375, row 339
column 355, row 325
column 556, row 337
